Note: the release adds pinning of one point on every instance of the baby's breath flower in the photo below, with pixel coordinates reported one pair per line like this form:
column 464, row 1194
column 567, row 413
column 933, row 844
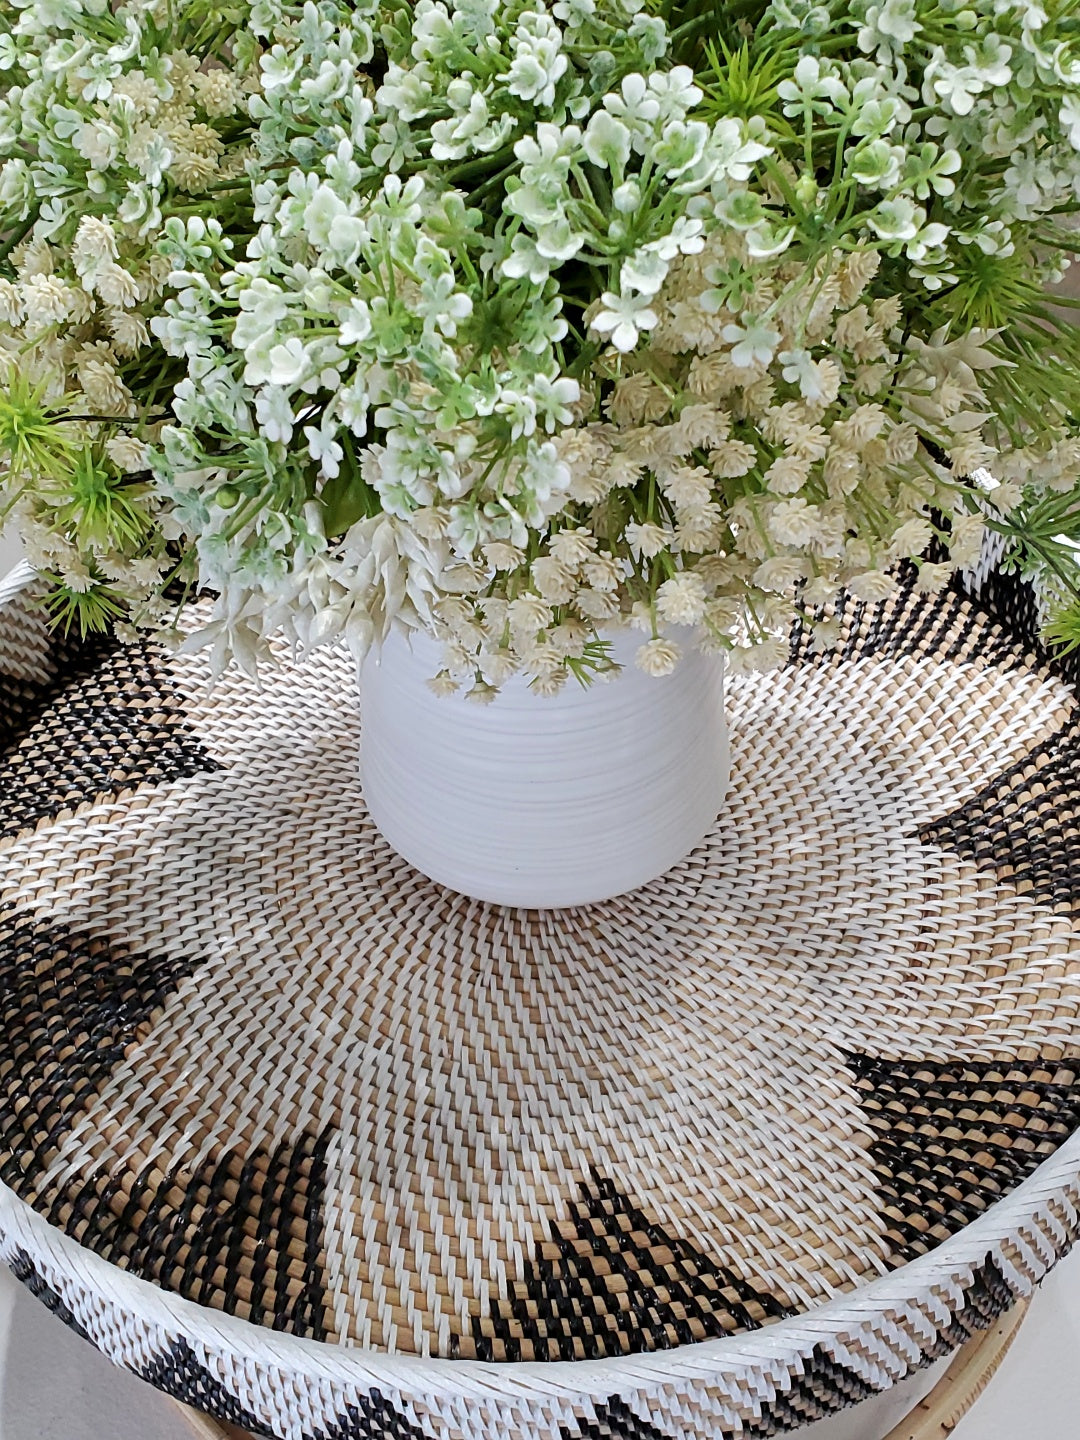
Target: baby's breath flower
column 658, row 657
column 573, row 547
column 648, row 538
column 553, row 580
column 872, row 585
column 681, row 600
column 529, row 614
column 912, row 538
column 934, row 576
column 128, row 453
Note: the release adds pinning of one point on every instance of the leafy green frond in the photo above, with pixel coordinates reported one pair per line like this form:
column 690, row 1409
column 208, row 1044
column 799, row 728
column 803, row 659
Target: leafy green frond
column 91, row 611
column 991, row 290
column 100, row 510
column 35, row 441
column 1062, row 629
column 743, row 81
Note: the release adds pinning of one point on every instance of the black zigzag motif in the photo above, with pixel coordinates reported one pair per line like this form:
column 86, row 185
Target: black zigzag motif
column 70, row 1006
column 24, row 1269
column 951, row 1138
column 110, row 719
column 950, row 626
column 611, row 1282
column 373, row 1417
column 241, row 1233
column 614, row 1420
column 1025, row 825
column 178, row 1372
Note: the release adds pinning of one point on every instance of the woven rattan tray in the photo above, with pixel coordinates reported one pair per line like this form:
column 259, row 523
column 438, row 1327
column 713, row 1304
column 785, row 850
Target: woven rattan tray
column 327, row 1151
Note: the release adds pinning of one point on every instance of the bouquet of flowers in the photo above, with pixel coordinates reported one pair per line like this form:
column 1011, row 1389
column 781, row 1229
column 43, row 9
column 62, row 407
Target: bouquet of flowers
column 518, row 319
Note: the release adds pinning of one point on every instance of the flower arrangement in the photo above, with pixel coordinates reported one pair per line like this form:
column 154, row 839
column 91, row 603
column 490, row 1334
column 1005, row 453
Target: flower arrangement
column 516, row 319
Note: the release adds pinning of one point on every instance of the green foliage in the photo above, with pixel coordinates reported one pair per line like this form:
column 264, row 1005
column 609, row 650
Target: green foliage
column 100, row 510
column 743, row 81
column 347, row 497
column 91, row 611
column 1062, row 630
column 34, row 439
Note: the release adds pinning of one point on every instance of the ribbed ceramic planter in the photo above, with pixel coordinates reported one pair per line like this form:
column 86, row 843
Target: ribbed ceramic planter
column 543, row 802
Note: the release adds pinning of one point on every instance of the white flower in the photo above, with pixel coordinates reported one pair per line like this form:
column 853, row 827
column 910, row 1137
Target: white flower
column 1069, row 116
column 635, row 103
column 872, row 586
column 45, row 300
column 645, row 271
column 681, row 600
column 573, row 547
column 893, row 23
column 275, row 414
column 116, row 287
column 553, row 398
column 912, row 538
column 324, row 450
column 288, row 362
column 658, row 657
column 779, row 573
column 355, row 323
column 538, row 62
column 529, row 614
column 624, row 317
column 934, row 577
column 554, row 580
column 753, row 343
column 647, row 539
column 794, row 522
column 898, row 219
column 812, row 86
column 526, row 261
column 956, row 86
column 11, row 310
column 127, row 453
column 607, row 142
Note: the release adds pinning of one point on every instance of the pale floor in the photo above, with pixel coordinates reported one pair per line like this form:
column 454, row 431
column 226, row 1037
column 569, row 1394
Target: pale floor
column 53, row 1386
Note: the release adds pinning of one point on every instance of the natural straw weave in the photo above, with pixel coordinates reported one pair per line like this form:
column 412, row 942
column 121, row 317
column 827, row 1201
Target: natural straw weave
column 397, row 1163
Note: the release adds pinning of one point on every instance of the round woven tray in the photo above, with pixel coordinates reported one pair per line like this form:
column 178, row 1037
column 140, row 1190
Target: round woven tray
column 328, row 1151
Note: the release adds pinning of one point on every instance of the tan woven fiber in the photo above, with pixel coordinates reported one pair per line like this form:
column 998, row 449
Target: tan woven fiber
column 255, row 1059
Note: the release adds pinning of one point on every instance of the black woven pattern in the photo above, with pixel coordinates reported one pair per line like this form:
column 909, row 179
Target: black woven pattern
column 24, row 1269
column 1025, row 825
column 950, row 1139
column 70, row 1005
column 1012, row 602
column 110, row 721
column 179, row 1373
column 825, row 1387
column 612, row 1282
column 69, row 662
column 614, row 1420
column 242, row 1233
column 949, row 626
column 373, row 1417
column 986, row 1299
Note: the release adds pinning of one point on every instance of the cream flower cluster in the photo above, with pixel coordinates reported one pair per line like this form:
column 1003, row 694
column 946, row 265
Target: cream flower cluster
column 521, row 319
column 106, row 121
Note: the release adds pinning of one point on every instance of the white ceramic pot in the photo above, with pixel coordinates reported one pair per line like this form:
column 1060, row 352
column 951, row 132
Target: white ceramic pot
column 543, row 802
